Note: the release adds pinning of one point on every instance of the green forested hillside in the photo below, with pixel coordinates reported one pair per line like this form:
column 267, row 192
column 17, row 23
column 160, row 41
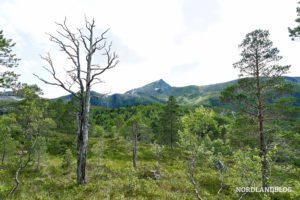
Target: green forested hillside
column 159, row 91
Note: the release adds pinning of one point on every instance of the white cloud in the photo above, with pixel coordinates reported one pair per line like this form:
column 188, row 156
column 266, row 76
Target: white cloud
column 153, row 37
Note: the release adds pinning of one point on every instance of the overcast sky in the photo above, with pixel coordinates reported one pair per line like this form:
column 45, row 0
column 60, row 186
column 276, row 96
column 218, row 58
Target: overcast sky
column 184, row 42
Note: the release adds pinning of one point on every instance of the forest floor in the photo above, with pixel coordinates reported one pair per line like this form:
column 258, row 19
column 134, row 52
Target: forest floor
column 110, row 175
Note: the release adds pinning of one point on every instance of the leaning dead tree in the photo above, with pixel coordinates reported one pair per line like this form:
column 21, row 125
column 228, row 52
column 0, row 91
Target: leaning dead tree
column 192, row 177
column 81, row 47
column 23, row 164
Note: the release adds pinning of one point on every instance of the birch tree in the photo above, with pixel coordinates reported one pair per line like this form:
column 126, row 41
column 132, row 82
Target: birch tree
column 7, row 143
column 81, row 47
column 135, row 126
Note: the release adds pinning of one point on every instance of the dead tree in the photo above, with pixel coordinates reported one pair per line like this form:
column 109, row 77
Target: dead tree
column 23, row 164
column 192, row 178
column 3, row 152
column 135, row 126
column 81, row 77
column 135, row 130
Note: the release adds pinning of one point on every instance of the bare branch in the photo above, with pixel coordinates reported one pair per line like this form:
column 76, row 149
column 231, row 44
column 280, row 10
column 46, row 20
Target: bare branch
column 97, row 67
column 76, row 48
column 99, row 39
column 112, row 61
column 64, row 47
column 53, row 73
column 100, row 47
column 97, row 81
column 111, row 65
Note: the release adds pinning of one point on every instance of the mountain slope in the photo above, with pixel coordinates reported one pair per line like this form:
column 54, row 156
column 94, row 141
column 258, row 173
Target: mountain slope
column 159, row 92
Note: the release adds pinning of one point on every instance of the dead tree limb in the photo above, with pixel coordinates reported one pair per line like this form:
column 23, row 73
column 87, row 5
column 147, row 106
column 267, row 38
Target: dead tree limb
column 221, row 186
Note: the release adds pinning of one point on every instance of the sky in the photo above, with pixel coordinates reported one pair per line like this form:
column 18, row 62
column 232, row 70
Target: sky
column 184, row 42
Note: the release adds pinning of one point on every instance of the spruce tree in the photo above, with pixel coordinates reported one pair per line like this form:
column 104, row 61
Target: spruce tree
column 169, row 122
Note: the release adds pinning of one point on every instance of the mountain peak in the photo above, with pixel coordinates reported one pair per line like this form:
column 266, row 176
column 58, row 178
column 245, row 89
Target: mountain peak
column 161, row 82
column 158, row 86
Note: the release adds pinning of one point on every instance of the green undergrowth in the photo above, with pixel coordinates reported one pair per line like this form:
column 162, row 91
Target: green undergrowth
column 111, row 176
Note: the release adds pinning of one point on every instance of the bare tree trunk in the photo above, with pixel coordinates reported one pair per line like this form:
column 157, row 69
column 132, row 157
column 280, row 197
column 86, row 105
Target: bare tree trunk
column 171, row 124
column 16, row 180
column 260, row 120
column 38, row 160
column 81, row 155
column 158, row 152
column 85, row 112
column 81, row 158
column 221, row 187
column 82, row 139
column 263, row 153
column 134, row 151
column 3, row 152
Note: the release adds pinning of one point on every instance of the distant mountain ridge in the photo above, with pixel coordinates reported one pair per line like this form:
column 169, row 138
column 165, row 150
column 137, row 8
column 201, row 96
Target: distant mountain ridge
column 159, row 92
column 9, row 96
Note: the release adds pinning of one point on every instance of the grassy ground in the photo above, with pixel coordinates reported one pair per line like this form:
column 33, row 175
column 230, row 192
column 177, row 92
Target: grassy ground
column 110, row 176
